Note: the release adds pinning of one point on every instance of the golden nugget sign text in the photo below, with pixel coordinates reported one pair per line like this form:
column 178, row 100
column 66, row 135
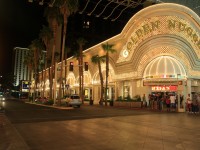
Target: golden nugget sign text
column 177, row 26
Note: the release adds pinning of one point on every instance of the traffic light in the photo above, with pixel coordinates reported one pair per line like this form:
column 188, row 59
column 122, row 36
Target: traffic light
column 86, row 66
column 71, row 66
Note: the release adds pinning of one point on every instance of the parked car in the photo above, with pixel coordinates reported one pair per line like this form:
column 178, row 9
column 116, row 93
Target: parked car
column 41, row 100
column 74, row 101
column 24, row 96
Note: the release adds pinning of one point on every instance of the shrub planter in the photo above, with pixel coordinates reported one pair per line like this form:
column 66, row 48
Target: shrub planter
column 128, row 104
column 91, row 102
column 136, row 104
column 111, row 103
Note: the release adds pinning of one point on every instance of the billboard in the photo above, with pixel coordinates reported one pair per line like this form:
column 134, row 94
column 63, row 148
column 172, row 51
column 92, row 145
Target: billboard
column 25, row 86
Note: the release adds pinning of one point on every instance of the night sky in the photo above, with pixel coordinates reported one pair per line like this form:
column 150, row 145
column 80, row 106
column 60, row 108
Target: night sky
column 20, row 23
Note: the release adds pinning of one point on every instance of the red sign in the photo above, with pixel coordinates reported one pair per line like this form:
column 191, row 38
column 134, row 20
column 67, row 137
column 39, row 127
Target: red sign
column 164, row 88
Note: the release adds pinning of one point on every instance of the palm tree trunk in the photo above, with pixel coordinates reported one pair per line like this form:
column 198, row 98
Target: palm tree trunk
column 51, row 72
column 42, row 93
column 29, row 89
column 35, row 72
column 101, row 80
column 82, row 79
column 66, row 74
column 35, row 85
column 44, row 86
column 107, row 71
column 81, row 74
column 54, row 28
column 62, row 57
column 79, row 64
column 50, row 90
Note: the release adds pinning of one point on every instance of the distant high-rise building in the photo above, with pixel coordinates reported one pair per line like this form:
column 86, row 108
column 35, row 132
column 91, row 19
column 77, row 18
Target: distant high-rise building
column 20, row 69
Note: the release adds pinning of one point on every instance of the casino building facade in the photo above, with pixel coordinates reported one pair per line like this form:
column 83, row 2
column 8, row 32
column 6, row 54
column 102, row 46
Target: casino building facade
column 157, row 51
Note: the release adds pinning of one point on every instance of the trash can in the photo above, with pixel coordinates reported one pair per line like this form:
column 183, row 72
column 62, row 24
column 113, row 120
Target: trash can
column 111, row 103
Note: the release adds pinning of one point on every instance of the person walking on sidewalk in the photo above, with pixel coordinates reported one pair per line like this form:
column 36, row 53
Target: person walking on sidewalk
column 195, row 106
column 189, row 104
column 144, row 102
column 173, row 104
column 198, row 102
column 168, row 103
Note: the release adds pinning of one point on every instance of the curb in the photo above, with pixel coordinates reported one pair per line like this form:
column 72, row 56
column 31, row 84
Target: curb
column 57, row 107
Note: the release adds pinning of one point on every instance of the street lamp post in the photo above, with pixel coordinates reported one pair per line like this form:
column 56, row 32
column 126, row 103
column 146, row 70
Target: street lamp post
column 178, row 93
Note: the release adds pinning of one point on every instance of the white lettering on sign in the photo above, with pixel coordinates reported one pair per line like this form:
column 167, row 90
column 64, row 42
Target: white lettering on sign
column 163, row 88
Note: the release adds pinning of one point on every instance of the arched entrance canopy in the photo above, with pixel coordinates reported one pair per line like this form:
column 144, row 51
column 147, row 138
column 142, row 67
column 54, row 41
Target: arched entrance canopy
column 164, row 67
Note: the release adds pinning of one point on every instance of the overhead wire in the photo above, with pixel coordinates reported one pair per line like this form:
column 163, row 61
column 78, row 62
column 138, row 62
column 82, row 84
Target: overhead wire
column 104, row 9
column 129, row 5
column 114, row 9
column 94, row 8
column 84, row 7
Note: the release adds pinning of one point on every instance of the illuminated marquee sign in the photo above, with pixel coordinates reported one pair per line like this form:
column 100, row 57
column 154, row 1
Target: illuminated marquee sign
column 164, row 88
column 164, row 25
column 25, row 86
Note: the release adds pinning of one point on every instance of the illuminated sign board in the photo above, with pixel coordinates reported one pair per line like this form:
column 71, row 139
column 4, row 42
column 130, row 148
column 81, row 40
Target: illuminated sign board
column 164, row 25
column 164, row 88
column 25, row 86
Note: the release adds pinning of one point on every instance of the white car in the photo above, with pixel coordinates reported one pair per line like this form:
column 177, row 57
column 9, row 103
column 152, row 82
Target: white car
column 74, row 100
column 2, row 98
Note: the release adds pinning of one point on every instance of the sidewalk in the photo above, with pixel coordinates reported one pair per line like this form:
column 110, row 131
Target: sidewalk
column 9, row 137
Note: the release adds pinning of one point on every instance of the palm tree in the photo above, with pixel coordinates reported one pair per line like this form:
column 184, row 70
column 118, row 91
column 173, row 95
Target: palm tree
column 46, row 35
column 81, row 42
column 78, row 57
column 56, row 59
column 42, row 67
column 67, row 50
column 98, row 60
column 54, row 19
column 28, row 60
column 36, row 46
column 108, row 48
column 67, row 7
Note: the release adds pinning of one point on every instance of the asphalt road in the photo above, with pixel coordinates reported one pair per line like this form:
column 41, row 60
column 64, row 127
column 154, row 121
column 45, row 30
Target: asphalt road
column 19, row 112
column 103, row 128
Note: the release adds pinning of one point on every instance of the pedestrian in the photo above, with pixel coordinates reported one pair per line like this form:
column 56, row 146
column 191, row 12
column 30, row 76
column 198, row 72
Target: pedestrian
column 189, row 104
column 168, row 103
column 181, row 101
column 161, row 103
column 144, row 101
column 198, row 102
column 151, row 101
column 173, row 100
column 194, row 106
